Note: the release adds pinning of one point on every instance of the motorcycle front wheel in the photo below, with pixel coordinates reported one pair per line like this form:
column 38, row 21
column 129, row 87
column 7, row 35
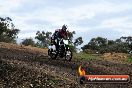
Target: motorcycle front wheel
column 52, row 54
column 68, row 55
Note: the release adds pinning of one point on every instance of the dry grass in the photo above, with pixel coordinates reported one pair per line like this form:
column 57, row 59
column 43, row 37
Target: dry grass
column 116, row 57
column 22, row 47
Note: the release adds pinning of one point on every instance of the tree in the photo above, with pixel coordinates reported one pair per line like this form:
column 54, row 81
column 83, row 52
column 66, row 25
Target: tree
column 118, row 41
column 102, row 45
column 8, row 32
column 71, row 35
column 43, row 38
column 98, row 44
column 111, row 42
column 128, row 42
column 78, row 41
column 28, row 41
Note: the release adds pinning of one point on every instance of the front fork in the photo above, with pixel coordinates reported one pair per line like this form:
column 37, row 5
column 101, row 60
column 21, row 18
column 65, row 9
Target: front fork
column 67, row 49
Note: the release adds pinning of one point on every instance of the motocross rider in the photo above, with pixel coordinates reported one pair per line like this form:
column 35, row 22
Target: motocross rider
column 58, row 35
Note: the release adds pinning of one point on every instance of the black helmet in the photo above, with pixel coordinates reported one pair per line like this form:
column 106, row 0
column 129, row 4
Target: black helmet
column 64, row 27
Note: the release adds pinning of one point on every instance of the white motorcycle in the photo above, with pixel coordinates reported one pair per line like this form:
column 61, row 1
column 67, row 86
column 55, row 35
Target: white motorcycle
column 63, row 50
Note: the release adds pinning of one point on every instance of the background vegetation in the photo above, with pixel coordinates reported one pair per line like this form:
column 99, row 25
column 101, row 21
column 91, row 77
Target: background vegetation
column 99, row 45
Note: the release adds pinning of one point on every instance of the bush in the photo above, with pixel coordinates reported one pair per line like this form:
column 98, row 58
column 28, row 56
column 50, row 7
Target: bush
column 28, row 42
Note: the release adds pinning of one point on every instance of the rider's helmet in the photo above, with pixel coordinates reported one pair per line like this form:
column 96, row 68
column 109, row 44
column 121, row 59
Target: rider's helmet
column 64, row 27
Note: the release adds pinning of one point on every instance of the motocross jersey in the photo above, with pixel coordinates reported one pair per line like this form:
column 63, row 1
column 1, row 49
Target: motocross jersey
column 62, row 34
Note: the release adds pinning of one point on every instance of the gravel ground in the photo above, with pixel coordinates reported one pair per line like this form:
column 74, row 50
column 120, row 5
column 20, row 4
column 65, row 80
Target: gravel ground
column 24, row 69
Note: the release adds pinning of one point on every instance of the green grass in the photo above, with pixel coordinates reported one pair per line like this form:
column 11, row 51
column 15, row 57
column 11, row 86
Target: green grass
column 130, row 59
column 85, row 56
column 88, row 57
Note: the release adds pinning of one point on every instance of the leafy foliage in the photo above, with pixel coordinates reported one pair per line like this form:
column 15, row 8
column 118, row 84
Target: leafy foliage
column 8, row 32
column 96, row 44
column 71, row 35
column 43, row 38
column 78, row 41
column 102, row 45
column 28, row 41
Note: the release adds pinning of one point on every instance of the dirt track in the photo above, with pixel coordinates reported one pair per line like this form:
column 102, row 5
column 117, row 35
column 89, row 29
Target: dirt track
column 23, row 68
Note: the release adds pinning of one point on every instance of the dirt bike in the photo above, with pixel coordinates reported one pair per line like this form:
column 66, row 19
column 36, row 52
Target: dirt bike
column 63, row 51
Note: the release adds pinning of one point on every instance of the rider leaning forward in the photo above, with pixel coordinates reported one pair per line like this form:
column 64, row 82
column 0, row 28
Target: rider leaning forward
column 57, row 35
